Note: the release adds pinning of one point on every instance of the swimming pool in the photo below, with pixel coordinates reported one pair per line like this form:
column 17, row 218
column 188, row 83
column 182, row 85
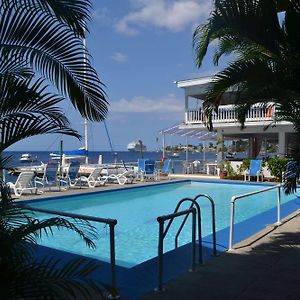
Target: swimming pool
column 137, row 209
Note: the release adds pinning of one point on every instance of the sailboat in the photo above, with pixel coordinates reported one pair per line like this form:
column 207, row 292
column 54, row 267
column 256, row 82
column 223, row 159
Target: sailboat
column 78, row 154
column 73, row 154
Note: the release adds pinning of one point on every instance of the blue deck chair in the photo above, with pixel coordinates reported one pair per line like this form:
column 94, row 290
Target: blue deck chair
column 50, row 177
column 165, row 170
column 141, row 168
column 72, row 176
column 150, row 172
column 146, row 169
column 255, row 169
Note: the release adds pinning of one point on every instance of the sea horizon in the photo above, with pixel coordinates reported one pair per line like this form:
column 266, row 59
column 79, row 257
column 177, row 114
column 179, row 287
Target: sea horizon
column 109, row 156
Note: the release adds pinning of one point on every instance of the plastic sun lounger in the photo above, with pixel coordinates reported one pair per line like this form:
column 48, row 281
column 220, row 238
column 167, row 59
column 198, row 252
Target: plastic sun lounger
column 23, row 183
column 93, row 180
column 125, row 177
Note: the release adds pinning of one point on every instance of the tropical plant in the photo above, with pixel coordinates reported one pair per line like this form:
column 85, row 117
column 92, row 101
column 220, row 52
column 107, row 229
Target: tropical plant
column 42, row 50
column 27, row 110
column 46, row 38
column 265, row 50
column 277, row 166
column 25, row 276
column 245, row 164
column 292, row 173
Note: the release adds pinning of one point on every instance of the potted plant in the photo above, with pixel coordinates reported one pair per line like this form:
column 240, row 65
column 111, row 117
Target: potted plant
column 223, row 170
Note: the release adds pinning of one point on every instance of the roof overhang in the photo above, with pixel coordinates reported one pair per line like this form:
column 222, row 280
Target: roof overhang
column 198, row 87
column 200, row 134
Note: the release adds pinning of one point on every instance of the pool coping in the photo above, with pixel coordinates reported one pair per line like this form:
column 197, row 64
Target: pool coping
column 114, row 187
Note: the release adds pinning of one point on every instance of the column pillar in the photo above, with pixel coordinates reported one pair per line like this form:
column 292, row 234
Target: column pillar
column 281, row 143
column 220, row 146
column 164, row 146
column 186, row 107
column 252, row 147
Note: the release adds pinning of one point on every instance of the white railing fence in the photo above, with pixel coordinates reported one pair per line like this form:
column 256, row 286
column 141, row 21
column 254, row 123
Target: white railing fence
column 238, row 197
column 227, row 114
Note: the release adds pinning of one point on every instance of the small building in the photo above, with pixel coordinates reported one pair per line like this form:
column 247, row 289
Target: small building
column 225, row 124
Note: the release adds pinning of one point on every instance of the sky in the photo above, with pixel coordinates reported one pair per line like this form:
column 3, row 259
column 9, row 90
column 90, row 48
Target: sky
column 139, row 48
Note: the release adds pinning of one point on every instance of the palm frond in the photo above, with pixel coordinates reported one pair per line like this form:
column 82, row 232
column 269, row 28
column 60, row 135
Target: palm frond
column 33, row 229
column 27, row 110
column 50, row 48
column 74, row 13
column 4, row 161
column 239, row 25
column 53, row 279
column 292, row 175
column 12, row 66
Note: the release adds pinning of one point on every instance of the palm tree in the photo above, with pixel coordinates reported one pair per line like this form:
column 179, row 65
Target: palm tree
column 41, row 49
column 28, row 110
column 265, row 57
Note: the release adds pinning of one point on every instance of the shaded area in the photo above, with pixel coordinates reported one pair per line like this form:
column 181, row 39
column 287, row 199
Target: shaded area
column 269, row 269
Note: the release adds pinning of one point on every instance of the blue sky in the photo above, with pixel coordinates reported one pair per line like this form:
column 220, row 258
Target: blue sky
column 139, row 48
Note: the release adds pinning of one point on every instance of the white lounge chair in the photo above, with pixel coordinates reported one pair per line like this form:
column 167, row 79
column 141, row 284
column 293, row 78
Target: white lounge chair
column 93, row 180
column 125, row 177
column 23, row 183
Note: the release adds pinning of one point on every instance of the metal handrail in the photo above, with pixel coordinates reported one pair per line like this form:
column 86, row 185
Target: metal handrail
column 232, row 207
column 111, row 222
column 213, row 213
column 194, row 202
column 200, row 255
column 161, row 221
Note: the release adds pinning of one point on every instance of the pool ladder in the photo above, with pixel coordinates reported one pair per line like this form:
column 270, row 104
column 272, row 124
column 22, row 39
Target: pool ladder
column 195, row 210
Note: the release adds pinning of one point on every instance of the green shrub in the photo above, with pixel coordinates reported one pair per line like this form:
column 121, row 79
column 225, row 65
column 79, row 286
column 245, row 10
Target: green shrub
column 277, row 166
column 245, row 164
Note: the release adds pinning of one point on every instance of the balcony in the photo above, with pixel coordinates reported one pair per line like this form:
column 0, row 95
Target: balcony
column 226, row 114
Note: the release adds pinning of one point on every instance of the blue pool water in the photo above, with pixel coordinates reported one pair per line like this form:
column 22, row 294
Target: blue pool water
column 137, row 209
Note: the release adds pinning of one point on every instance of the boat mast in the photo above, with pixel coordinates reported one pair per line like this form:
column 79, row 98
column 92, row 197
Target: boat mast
column 86, row 139
column 85, row 120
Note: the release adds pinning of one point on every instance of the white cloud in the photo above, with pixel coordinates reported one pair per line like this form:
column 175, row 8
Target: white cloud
column 119, row 56
column 140, row 104
column 168, row 14
column 101, row 15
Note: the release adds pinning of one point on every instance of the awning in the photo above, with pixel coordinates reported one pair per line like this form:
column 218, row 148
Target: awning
column 201, row 134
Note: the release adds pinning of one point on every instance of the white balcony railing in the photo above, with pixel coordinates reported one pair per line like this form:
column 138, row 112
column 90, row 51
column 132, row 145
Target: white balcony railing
column 226, row 114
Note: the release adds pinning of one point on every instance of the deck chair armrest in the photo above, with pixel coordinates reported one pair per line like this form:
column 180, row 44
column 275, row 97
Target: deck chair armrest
column 10, row 184
column 36, row 182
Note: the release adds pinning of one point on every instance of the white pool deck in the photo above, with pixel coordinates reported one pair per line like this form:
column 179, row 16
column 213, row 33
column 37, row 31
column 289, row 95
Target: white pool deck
column 108, row 186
